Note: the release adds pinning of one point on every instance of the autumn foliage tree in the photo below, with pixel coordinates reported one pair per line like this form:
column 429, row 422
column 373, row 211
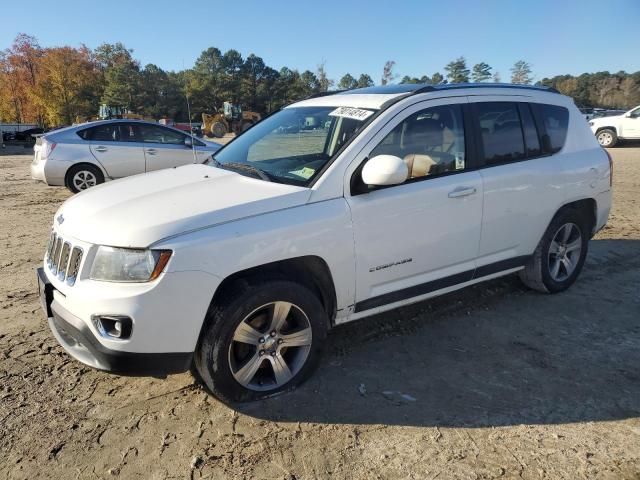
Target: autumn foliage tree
column 68, row 87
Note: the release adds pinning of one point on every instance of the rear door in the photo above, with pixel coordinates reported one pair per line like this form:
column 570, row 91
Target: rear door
column 164, row 147
column 521, row 180
column 115, row 146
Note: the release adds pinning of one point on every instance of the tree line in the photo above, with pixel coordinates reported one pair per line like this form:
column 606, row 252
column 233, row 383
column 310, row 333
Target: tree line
column 59, row 85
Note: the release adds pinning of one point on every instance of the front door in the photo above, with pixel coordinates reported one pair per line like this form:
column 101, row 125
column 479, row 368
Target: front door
column 420, row 236
column 631, row 124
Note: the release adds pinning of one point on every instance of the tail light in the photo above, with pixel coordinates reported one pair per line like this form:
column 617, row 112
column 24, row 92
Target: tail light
column 48, row 148
column 610, row 167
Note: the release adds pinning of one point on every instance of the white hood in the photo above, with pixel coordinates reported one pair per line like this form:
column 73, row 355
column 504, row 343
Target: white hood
column 140, row 210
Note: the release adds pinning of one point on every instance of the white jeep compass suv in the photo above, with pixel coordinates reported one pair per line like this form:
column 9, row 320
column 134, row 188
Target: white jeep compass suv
column 332, row 209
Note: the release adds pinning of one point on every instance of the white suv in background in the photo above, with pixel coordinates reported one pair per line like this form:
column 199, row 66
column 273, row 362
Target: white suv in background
column 404, row 192
column 86, row 155
column 609, row 130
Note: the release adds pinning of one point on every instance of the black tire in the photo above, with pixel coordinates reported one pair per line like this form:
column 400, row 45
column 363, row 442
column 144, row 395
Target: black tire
column 607, row 137
column 218, row 130
column 213, row 354
column 90, row 171
column 537, row 274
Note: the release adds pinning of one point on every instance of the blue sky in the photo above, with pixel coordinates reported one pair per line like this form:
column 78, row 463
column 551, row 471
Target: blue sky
column 555, row 36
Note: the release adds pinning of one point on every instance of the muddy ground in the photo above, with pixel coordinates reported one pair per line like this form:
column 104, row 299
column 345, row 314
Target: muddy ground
column 492, row 382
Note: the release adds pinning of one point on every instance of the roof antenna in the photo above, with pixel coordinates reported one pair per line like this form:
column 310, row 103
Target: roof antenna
column 186, row 94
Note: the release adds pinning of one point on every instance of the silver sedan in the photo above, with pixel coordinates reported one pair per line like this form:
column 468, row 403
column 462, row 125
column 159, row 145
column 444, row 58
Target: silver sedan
column 85, row 155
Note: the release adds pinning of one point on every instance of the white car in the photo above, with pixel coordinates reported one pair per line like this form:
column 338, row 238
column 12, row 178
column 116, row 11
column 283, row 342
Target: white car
column 609, row 130
column 241, row 266
column 86, row 155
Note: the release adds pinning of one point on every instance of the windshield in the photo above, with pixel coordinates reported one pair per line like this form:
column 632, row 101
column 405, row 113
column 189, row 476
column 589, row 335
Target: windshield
column 292, row 145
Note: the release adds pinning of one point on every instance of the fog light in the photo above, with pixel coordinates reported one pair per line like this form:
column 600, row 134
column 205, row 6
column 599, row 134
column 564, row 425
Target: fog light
column 113, row 326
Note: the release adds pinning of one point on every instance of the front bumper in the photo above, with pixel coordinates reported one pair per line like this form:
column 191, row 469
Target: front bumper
column 79, row 341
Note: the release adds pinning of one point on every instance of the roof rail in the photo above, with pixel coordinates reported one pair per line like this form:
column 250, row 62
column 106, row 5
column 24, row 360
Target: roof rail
column 323, row 94
column 456, row 86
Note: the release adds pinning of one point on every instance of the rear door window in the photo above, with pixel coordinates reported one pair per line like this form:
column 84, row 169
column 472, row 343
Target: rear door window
column 102, row 133
column 500, row 131
column 128, row 133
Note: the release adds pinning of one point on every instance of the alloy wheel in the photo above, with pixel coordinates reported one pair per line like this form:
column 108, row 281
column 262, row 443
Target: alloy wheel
column 84, row 179
column 605, row 138
column 564, row 252
column 270, row 346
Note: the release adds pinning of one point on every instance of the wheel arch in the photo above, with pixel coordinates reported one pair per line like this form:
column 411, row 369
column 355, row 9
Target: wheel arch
column 310, row 270
column 599, row 129
column 83, row 163
column 588, row 207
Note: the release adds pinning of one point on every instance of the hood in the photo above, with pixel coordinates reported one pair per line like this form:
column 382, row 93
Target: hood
column 140, row 210
column 596, row 120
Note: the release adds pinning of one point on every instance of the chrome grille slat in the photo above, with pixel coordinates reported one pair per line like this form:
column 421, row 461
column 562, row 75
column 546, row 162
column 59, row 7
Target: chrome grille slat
column 64, row 260
column 51, row 237
column 56, row 256
column 74, row 265
column 52, row 242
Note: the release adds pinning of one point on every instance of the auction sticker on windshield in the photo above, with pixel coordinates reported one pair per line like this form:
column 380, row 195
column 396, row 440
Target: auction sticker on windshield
column 350, row 112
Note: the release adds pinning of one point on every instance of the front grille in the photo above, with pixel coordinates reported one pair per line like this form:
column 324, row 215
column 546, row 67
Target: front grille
column 63, row 259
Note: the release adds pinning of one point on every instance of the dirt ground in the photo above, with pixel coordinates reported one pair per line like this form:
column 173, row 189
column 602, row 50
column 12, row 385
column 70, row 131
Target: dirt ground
column 491, row 382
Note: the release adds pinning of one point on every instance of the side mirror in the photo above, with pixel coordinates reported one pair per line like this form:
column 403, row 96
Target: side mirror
column 628, row 115
column 385, row 170
column 188, row 142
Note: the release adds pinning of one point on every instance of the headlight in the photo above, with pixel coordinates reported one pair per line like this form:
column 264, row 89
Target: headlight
column 128, row 265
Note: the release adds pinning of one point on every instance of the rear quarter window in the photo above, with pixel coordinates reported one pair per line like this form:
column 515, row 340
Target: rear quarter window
column 555, row 120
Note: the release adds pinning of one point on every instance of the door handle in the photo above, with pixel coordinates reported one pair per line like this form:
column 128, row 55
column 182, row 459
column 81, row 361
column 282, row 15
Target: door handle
column 151, row 151
column 462, row 192
column 594, row 170
column 101, row 149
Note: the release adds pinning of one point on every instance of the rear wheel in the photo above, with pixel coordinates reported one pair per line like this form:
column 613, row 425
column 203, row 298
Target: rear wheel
column 607, row 137
column 218, row 130
column 81, row 177
column 263, row 339
column 560, row 255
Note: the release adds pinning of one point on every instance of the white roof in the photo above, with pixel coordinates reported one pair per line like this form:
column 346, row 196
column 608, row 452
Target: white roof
column 357, row 100
column 375, row 97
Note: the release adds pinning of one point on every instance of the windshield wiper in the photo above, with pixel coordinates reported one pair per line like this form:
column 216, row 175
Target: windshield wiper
column 243, row 167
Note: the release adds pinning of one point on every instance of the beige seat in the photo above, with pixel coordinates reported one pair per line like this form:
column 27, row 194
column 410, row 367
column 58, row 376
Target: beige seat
column 422, row 145
column 419, row 165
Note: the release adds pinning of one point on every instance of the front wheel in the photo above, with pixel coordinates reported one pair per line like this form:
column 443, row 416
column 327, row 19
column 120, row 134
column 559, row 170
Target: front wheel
column 261, row 340
column 607, row 137
column 560, row 255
